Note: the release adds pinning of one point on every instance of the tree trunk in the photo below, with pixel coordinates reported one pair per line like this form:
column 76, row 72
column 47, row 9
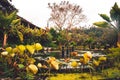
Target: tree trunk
column 4, row 40
column 118, row 38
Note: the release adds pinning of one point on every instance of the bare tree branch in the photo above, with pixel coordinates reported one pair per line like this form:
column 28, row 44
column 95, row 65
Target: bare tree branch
column 66, row 15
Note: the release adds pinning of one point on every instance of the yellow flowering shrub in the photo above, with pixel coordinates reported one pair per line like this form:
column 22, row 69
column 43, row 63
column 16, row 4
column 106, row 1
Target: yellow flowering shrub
column 102, row 58
column 37, row 46
column 74, row 64
column 87, row 55
column 32, row 68
column 20, row 60
column 53, row 63
column 96, row 63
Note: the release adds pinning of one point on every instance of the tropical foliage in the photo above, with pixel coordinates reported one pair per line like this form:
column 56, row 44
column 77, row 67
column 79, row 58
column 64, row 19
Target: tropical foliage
column 22, row 57
column 19, row 61
column 5, row 24
column 111, row 22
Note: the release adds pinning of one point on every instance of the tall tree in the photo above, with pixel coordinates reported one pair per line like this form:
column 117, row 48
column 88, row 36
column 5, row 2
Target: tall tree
column 112, row 21
column 65, row 15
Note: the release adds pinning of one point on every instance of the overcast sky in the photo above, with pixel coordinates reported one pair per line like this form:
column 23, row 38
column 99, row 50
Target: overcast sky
column 37, row 11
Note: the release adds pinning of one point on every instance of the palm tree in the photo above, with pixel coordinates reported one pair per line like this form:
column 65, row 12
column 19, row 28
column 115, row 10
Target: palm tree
column 112, row 21
column 5, row 24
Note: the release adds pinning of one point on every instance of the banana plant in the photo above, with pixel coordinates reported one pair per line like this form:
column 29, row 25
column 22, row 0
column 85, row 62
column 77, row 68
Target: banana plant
column 112, row 21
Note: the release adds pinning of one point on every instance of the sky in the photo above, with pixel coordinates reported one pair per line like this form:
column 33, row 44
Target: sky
column 37, row 11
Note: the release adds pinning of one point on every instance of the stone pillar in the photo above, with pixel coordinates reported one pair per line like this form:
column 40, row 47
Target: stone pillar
column 67, row 52
column 72, row 48
column 63, row 52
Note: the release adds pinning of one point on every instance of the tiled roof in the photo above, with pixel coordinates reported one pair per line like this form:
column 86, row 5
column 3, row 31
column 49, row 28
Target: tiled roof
column 7, row 7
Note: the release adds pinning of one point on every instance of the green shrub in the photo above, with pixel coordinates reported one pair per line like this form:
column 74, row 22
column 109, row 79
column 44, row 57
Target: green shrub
column 114, row 56
column 112, row 73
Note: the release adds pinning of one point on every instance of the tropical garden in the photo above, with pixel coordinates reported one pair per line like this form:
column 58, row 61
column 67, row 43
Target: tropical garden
column 64, row 50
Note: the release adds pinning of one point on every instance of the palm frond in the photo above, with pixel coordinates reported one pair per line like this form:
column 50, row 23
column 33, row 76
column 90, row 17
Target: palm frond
column 102, row 24
column 11, row 17
column 115, row 12
column 105, row 17
column 20, row 35
column 15, row 22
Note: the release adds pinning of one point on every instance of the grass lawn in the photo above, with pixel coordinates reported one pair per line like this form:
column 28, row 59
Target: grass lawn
column 76, row 76
column 107, row 74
